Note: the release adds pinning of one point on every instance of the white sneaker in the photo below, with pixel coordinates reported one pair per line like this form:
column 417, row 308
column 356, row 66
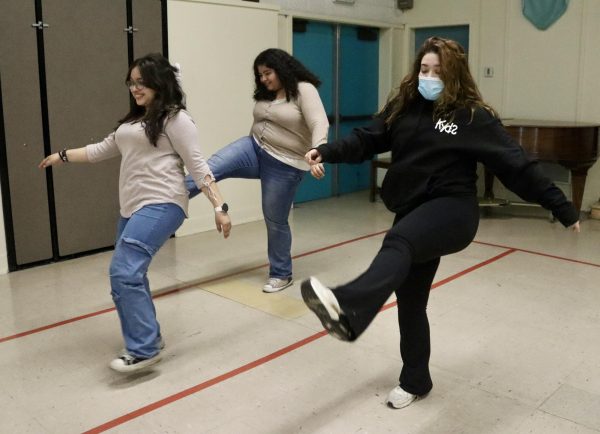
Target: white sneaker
column 127, row 363
column 399, row 398
column 274, row 284
column 321, row 300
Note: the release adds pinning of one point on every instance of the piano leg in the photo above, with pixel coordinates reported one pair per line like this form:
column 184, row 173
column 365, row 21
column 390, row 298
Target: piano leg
column 489, row 199
column 578, row 177
column 488, row 180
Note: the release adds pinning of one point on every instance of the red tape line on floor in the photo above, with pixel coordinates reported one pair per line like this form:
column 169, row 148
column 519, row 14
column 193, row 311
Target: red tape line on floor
column 180, row 288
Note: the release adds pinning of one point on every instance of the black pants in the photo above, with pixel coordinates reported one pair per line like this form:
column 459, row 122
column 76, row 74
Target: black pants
column 406, row 264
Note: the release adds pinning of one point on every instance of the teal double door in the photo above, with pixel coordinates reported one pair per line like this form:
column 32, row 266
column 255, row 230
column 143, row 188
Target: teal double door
column 459, row 34
column 346, row 59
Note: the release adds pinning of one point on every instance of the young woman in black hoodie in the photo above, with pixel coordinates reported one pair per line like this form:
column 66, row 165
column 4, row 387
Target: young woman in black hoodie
column 437, row 127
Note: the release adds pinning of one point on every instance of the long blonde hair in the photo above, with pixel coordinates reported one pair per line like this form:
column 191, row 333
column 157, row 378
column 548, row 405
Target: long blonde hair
column 460, row 90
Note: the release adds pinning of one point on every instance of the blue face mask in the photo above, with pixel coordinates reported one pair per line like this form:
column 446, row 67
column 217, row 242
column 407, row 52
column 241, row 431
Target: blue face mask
column 430, row 87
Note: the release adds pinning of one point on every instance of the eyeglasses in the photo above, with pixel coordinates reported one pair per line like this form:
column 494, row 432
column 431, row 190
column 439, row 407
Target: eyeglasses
column 139, row 85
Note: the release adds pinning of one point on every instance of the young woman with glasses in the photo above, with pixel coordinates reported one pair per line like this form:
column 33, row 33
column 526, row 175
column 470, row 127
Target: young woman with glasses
column 155, row 140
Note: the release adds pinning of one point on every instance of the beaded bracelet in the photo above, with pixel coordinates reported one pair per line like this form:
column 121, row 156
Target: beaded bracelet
column 63, row 156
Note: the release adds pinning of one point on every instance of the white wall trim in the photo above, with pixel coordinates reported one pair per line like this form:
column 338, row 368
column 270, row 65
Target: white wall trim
column 409, row 41
column 338, row 20
column 236, row 3
column 505, row 91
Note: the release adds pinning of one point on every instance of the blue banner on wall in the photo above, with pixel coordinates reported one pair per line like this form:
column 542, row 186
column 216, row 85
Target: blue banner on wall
column 543, row 13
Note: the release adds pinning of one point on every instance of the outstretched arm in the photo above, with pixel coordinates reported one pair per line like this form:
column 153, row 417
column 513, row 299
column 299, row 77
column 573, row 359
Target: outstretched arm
column 103, row 150
column 78, row 155
column 358, row 146
column 520, row 173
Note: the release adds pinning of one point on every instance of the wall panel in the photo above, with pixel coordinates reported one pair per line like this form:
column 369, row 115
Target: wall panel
column 86, row 63
column 542, row 69
column 147, row 22
column 22, row 118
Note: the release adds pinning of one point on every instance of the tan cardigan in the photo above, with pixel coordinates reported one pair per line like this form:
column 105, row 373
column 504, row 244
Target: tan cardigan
column 287, row 130
column 154, row 174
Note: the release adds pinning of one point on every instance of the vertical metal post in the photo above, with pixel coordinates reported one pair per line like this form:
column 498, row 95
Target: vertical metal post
column 335, row 189
column 9, row 232
column 165, row 28
column 129, row 30
column 46, row 126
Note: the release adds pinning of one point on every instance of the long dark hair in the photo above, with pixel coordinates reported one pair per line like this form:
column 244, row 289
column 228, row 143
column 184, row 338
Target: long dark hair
column 159, row 75
column 460, row 90
column 289, row 71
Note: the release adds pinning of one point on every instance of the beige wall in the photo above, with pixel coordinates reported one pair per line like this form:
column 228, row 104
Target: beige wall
column 216, row 43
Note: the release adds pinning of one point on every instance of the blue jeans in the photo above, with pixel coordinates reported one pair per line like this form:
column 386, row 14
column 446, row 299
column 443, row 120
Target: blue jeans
column 138, row 239
column 244, row 158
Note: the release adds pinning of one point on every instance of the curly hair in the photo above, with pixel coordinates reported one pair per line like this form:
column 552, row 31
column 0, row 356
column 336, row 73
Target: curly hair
column 460, row 90
column 289, row 71
column 159, row 75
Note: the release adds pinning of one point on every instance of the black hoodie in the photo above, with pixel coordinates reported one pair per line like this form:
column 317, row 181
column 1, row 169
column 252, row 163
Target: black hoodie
column 436, row 157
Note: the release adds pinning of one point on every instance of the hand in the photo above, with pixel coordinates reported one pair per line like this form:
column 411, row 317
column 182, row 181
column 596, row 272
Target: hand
column 223, row 223
column 575, row 227
column 313, row 157
column 318, row 170
column 50, row 160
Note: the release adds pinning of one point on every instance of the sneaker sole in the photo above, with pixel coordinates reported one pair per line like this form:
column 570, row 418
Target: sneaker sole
column 137, row 367
column 270, row 291
column 314, row 301
column 403, row 405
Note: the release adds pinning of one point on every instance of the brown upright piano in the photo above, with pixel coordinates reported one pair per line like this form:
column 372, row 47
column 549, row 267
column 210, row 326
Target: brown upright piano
column 573, row 145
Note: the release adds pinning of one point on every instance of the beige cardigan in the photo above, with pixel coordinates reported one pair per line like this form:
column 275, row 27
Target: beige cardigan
column 154, row 174
column 287, row 130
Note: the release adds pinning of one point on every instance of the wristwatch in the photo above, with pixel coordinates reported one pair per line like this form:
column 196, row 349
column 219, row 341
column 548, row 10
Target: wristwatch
column 223, row 208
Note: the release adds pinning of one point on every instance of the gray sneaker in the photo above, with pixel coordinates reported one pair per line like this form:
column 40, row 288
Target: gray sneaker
column 275, row 284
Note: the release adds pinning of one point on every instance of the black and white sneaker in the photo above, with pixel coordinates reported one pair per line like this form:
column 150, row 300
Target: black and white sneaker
column 161, row 346
column 127, row 363
column 323, row 303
